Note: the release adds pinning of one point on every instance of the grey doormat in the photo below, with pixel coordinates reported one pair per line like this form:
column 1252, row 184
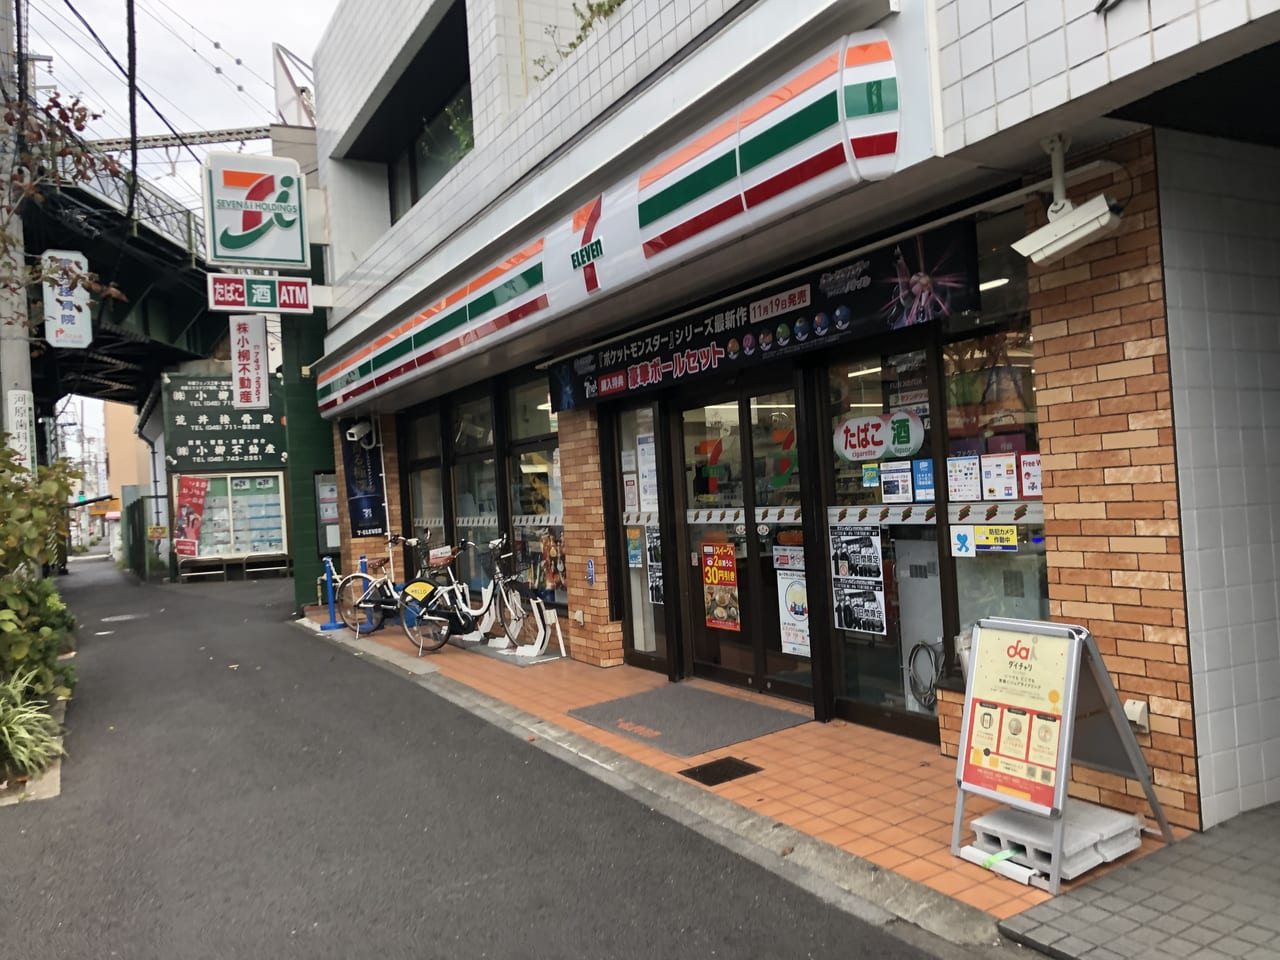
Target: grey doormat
column 685, row 721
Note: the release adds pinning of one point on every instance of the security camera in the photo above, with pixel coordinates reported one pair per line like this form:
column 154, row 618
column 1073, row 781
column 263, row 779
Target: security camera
column 1070, row 228
column 358, row 431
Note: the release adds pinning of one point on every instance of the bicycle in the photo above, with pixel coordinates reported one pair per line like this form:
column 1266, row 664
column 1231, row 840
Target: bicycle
column 427, row 613
column 505, row 599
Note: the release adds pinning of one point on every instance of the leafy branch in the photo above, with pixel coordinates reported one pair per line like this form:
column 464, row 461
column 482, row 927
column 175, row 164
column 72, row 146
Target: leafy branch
column 588, row 16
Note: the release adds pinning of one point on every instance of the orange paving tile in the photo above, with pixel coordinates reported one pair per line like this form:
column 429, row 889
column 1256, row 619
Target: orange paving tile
column 881, row 797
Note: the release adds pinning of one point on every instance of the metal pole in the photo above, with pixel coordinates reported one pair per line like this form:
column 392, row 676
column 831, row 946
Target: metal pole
column 15, row 347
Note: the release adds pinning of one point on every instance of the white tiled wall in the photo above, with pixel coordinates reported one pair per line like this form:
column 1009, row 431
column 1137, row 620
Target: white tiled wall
column 1220, row 216
column 1004, row 61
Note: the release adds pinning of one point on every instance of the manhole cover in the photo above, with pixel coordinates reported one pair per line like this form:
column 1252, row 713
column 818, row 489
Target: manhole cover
column 125, row 616
column 720, row 771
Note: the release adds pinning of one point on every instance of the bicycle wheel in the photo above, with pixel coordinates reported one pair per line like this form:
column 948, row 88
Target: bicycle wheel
column 351, row 589
column 517, row 615
column 425, row 622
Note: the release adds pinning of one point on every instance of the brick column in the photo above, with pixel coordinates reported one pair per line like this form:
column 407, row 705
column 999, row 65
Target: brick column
column 598, row 640
column 1113, row 536
column 354, row 547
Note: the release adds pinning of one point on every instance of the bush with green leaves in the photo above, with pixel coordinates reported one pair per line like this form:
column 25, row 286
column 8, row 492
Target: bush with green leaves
column 35, row 625
column 30, row 739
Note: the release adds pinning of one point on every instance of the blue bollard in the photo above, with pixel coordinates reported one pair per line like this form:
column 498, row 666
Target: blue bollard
column 364, row 568
column 334, row 623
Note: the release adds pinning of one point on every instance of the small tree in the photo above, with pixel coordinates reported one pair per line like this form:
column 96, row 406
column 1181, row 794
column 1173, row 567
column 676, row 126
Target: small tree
column 44, row 152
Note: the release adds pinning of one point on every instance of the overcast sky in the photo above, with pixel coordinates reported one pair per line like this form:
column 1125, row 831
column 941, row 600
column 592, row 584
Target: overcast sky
column 177, row 57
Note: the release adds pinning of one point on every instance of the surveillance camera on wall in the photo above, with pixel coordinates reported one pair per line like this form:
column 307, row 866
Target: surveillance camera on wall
column 361, row 433
column 1070, row 228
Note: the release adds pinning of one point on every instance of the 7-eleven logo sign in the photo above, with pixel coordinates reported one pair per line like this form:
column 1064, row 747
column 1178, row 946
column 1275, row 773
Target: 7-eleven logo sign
column 254, row 213
column 585, row 221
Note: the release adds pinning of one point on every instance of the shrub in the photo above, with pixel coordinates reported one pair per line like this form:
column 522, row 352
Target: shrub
column 35, row 625
column 30, row 739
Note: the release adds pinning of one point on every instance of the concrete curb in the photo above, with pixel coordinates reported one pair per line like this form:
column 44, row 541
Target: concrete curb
column 849, row 882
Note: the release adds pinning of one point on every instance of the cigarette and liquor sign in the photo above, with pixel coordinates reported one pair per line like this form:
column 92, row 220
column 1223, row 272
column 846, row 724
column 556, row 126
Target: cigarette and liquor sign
column 254, row 212
column 232, row 293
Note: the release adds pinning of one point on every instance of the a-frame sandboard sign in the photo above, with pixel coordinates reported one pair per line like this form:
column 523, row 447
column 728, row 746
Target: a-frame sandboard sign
column 1038, row 698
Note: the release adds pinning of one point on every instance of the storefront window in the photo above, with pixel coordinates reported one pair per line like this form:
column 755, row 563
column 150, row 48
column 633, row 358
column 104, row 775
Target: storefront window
column 537, row 520
column 993, row 476
column 883, row 527
column 641, row 527
column 426, row 494
column 472, row 426
column 423, row 437
column 475, row 488
column 531, row 414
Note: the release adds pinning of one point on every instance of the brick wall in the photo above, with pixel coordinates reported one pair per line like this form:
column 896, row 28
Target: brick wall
column 598, row 640
column 354, row 547
column 1112, row 528
column 1112, row 531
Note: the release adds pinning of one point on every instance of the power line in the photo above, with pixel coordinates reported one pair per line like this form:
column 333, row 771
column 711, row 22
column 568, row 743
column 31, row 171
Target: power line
column 89, row 53
column 216, row 44
column 84, row 84
column 147, row 100
column 238, row 88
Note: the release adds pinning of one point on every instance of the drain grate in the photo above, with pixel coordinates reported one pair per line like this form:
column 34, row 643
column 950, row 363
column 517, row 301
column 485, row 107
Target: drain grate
column 720, row 771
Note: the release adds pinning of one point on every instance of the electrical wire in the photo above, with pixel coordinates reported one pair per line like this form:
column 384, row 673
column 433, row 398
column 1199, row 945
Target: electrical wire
column 216, row 44
column 84, row 84
column 238, row 88
column 81, row 47
column 145, row 99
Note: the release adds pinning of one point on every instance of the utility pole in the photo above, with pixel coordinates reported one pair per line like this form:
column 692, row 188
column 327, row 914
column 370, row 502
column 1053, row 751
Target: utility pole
column 18, row 409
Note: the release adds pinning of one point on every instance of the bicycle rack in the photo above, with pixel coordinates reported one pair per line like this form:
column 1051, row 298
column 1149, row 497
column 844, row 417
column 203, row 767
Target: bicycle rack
column 546, row 620
column 334, row 623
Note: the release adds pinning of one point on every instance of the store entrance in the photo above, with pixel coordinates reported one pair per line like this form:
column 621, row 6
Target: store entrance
column 747, row 606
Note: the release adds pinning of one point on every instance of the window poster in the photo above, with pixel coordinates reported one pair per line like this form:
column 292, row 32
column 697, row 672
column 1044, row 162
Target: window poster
column 857, row 574
column 964, row 479
column 653, row 540
column 191, row 503
column 793, row 612
column 1029, row 475
column 922, row 480
column 630, row 493
column 635, row 547
column 647, row 463
column 720, row 586
column 895, row 481
column 1000, row 476
column 1017, row 685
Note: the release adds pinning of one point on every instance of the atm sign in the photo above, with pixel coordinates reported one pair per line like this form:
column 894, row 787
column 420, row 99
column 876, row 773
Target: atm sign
column 231, row 293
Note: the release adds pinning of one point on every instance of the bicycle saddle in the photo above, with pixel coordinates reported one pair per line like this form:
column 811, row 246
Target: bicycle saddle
column 378, row 564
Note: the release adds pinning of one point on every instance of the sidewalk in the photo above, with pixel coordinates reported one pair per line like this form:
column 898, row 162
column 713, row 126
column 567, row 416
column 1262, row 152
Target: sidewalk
column 886, row 802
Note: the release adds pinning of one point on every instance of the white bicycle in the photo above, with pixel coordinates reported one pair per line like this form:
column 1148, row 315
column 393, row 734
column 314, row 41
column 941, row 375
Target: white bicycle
column 506, row 602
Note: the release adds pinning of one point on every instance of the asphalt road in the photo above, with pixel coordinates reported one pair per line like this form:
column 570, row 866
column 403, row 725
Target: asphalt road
column 238, row 789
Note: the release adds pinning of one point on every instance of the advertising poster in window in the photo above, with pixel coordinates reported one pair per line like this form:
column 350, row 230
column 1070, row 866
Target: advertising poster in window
column 635, row 547
column 362, row 469
column 653, row 540
column 186, row 529
column 793, row 600
column 895, row 481
column 857, row 574
column 720, row 586
column 1017, row 686
column 647, row 463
